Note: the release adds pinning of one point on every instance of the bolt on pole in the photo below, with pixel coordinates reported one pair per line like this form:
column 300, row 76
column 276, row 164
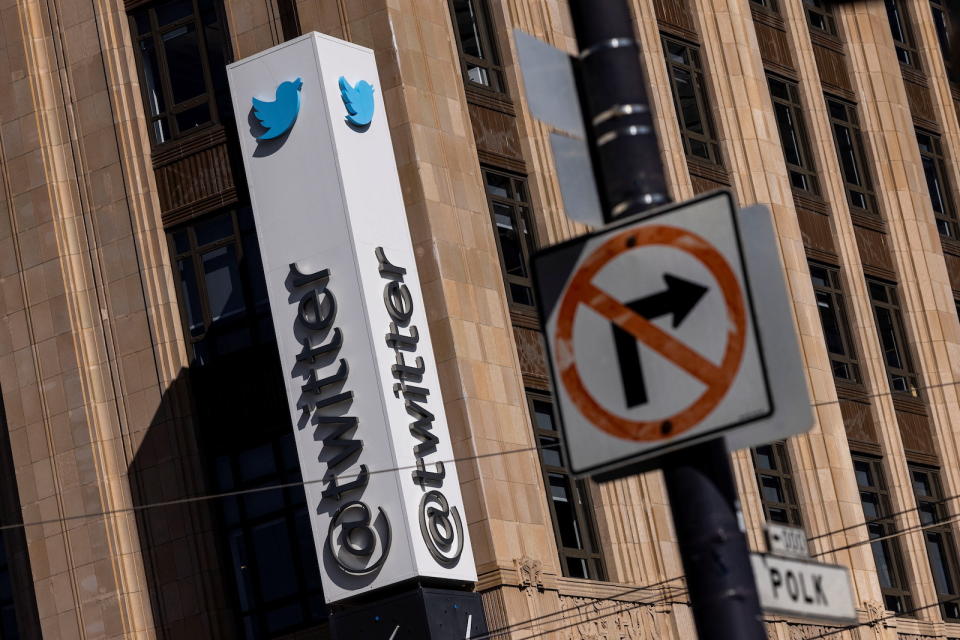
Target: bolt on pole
column 630, row 180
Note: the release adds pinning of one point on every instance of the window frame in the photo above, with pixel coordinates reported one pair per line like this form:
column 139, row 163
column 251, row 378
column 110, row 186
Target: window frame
column 900, row 335
column 782, row 475
column 486, row 33
column 887, row 525
column 169, row 114
column 769, row 6
column 936, row 502
column 946, row 221
column 293, row 504
column 256, row 312
column 592, row 553
column 941, row 24
column 898, row 16
column 695, row 69
column 851, row 122
column 518, row 201
column 808, row 168
column 825, row 13
column 834, row 290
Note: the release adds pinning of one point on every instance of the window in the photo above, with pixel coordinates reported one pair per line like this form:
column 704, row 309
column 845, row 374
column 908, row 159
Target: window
column 769, row 5
column 510, row 208
column 941, row 549
column 935, row 171
column 902, row 36
column 852, row 155
column 941, row 21
column 777, row 492
column 569, row 499
column 833, row 318
column 690, row 99
column 793, row 135
column 820, row 17
column 478, row 51
column 223, row 296
column 893, row 342
column 180, row 48
column 886, row 552
column 18, row 604
column 289, row 19
column 269, row 539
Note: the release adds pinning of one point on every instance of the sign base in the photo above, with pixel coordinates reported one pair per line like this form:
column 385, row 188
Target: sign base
column 422, row 613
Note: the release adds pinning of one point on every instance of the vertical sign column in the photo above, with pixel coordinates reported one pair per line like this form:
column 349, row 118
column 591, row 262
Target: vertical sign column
column 348, row 313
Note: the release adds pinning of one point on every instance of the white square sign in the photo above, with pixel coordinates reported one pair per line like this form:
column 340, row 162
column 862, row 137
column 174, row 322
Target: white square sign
column 654, row 333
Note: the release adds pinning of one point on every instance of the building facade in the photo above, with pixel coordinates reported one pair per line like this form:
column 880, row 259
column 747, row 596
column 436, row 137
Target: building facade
column 143, row 417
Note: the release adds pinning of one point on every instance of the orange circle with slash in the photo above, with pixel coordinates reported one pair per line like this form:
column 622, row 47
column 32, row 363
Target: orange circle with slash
column 717, row 378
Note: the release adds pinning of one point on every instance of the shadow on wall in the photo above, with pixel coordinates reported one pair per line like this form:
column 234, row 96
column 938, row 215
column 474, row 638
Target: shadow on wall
column 234, row 566
column 185, row 575
column 18, row 604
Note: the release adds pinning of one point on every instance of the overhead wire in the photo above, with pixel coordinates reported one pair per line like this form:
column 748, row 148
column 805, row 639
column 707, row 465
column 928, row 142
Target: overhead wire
column 346, row 476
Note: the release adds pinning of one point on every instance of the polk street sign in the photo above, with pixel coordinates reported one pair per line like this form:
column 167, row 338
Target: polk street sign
column 659, row 330
column 803, row 588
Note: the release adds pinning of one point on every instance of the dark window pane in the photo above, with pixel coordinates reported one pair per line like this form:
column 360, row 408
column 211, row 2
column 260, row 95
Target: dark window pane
column 562, row 494
column 183, row 54
column 193, row 117
column 151, row 77
column 771, row 489
column 543, row 415
column 577, row 568
column 764, row 457
column 467, row 28
column 550, row 451
column 169, row 12
column 214, row 229
column 191, row 297
column 223, row 283
column 498, row 185
column 277, row 569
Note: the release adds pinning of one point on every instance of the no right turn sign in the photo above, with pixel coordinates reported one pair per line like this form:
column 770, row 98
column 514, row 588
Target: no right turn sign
column 654, row 334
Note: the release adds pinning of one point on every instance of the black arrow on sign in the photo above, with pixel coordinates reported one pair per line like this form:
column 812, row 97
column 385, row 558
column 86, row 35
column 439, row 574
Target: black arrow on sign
column 679, row 299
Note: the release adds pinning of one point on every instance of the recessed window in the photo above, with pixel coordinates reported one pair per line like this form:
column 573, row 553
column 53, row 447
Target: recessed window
column 893, row 337
column 935, row 171
column 941, row 21
column 875, row 500
column 510, row 210
column 269, row 539
column 180, row 54
column 852, row 155
column 938, row 538
column 476, row 44
column 902, row 33
column 793, row 135
column 223, row 297
column 777, row 493
column 690, row 99
column 569, row 499
column 289, row 19
column 769, row 5
column 828, row 291
column 820, row 17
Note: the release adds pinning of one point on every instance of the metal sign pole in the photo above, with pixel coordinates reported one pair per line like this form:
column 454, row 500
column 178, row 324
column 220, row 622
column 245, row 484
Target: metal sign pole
column 630, row 180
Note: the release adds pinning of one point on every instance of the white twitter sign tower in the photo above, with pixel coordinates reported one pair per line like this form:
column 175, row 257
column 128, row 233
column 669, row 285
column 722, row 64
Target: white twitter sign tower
column 361, row 379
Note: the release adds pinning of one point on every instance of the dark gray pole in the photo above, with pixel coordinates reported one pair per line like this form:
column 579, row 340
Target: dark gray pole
column 630, row 179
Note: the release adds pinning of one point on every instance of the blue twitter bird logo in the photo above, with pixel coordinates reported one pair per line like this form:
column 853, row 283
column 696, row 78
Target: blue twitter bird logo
column 358, row 100
column 278, row 116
